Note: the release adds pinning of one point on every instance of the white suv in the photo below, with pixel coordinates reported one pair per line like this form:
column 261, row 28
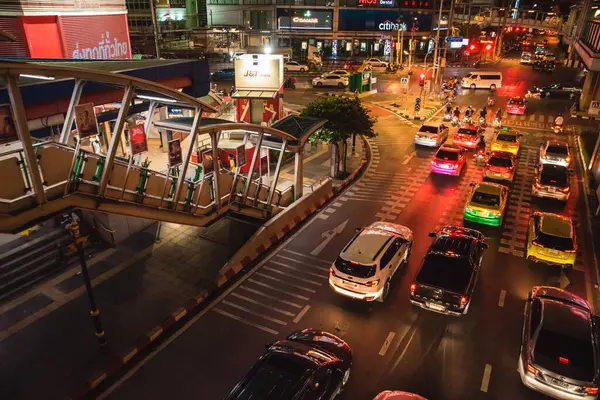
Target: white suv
column 367, row 264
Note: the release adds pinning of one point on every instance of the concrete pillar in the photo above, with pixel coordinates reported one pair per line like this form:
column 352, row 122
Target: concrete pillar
column 299, row 173
column 590, row 91
column 20, row 116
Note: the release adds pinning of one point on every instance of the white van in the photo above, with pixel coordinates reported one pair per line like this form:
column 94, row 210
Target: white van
column 482, row 80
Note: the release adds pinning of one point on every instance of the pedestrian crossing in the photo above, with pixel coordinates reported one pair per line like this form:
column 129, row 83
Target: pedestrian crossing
column 277, row 293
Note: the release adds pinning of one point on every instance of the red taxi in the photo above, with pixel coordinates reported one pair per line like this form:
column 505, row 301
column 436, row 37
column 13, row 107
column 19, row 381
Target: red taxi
column 516, row 105
column 467, row 136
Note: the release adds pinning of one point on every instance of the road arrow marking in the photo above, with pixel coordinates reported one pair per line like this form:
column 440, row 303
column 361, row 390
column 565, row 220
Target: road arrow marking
column 408, row 157
column 327, row 236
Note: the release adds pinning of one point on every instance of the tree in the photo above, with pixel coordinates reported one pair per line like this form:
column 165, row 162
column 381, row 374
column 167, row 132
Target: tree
column 345, row 117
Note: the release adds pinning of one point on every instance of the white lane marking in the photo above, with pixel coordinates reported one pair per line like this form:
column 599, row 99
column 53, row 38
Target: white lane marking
column 301, row 263
column 321, row 276
column 408, row 158
column 258, row 292
column 485, row 382
column 329, row 210
column 322, row 216
column 502, row 298
column 226, row 314
column 279, row 290
column 301, row 314
column 258, row 303
column 531, row 117
column 307, row 256
column 292, row 275
column 337, row 204
column 386, row 343
column 550, row 118
column 251, row 312
column 365, row 200
column 286, row 283
column 412, row 335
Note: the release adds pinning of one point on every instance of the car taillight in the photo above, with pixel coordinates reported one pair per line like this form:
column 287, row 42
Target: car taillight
column 536, row 244
column 568, row 159
column 563, row 360
column 463, row 301
column 570, row 251
column 544, row 157
column 331, row 271
column 373, row 283
column 591, row 390
column 532, row 369
column 565, row 190
column 413, row 287
column 537, row 185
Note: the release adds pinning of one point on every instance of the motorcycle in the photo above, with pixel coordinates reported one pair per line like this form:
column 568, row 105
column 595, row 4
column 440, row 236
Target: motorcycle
column 290, row 83
column 391, row 69
column 480, row 156
column 467, row 120
column 455, row 121
column 482, row 122
column 558, row 129
column 447, row 116
column 497, row 123
column 491, row 101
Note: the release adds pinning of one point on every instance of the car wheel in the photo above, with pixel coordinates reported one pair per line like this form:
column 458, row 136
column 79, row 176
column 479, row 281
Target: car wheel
column 285, row 69
column 386, row 290
column 346, row 377
column 547, row 94
column 473, row 87
column 302, row 70
column 340, row 85
column 319, row 84
column 493, row 87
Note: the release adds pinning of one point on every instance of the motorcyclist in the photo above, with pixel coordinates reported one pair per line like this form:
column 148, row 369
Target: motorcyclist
column 468, row 112
column 481, row 145
column 448, row 108
column 483, row 112
column 457, row 112
column 559, row 120
column 499, row 113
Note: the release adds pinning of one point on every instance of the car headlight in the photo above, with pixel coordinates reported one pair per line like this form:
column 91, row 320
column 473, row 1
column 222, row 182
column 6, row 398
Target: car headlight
column 469, row 210
column 494, row 213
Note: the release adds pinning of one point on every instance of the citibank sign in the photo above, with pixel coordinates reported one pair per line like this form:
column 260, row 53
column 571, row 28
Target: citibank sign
column 388, row 25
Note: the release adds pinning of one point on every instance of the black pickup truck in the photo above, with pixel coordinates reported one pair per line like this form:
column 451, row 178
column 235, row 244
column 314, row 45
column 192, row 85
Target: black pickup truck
column 445, row 281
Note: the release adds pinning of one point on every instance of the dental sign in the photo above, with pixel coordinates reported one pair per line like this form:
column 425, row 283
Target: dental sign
column 388, row 25
column 376, row 3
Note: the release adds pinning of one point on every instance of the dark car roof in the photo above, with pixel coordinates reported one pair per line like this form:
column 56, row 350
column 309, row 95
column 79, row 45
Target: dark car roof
column 453, row 245
column 445, row 271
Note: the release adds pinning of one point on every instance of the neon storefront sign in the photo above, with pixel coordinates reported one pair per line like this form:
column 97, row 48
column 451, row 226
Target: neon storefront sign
column 388, row 25
column 301, row 20
column 380, row 3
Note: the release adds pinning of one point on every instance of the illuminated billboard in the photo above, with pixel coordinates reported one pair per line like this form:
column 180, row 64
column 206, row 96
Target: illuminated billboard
column 259, row 72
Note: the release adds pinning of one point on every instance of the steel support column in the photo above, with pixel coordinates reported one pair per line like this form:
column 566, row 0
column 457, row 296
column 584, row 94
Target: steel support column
column 214, row 143
column 252, row 165
column 68, row 124
column 299, row 174
column 20, row 116
column 187, row 155
column 114, row 140
column 276, row 173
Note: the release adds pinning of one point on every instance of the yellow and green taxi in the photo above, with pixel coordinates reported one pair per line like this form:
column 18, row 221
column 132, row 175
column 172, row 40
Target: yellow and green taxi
column 551, row 240
column 507, row 140
column 486, row 204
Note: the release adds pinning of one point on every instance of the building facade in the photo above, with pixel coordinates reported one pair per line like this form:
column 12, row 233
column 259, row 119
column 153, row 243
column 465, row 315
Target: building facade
column 64, row 29
column 337, row 28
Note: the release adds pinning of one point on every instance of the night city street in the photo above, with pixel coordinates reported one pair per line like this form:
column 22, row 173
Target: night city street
column 243, row 200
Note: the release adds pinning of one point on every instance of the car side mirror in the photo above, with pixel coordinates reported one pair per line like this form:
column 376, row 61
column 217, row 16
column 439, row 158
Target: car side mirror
column 432, row 234
column 485, row 245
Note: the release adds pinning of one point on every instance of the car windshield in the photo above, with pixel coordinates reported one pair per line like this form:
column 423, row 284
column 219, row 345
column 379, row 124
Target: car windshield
column 506, row 138
column 429, row 129
column 554, row 242
column 447, row 272
column 500, row 162
column 487, row 199
column 566, row 355
column 517, row 102
column 557, row 149
column 466, row 131
column 554, row 176
column 447, row 155
column 354, row 269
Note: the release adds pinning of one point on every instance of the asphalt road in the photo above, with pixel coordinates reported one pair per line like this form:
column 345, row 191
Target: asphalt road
column 436, row 356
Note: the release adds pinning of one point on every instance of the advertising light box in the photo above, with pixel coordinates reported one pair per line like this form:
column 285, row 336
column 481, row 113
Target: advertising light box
column 259, row 72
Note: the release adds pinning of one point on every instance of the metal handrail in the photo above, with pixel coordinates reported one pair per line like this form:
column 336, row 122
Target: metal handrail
column 110, row 231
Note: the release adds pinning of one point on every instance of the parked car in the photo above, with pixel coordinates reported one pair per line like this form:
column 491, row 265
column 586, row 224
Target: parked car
column 551, row 240
column 558, row 90
column 516, row 105
column 365, row 268
column 449, row 160
column 445, row 280
column 309, row 364
column 294, row 66
column 486, row 204
column 431, row 134
column 555, row 152
column 500, row 166
column 375, row 62
column 559, row 346
column 467, row 136
column 551, row 181
column 223, row 74
column 330, row 80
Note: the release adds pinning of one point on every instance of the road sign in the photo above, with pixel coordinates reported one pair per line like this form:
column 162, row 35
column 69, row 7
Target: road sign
column 417, row 107
column 450, row 39
column 417, row 100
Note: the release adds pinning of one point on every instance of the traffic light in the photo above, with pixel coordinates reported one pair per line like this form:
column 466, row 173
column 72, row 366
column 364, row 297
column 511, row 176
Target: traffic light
column 422, row 80
column 488, row 47
column 472, row 47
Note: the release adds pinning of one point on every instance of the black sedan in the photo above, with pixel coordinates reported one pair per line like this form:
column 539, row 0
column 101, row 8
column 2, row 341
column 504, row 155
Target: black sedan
column 558, row 90
column 223, row 74
column 309, row 364
column 447, row 276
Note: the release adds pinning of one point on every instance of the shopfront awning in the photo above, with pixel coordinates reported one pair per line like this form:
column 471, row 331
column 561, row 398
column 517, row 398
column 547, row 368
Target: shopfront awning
column 254, row 94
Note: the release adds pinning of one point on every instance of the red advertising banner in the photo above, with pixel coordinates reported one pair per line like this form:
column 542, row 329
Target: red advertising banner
column 95, row 36
column 137, row 138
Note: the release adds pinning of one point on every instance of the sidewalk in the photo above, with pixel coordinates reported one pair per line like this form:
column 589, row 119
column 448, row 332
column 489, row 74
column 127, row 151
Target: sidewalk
column 142, row 287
